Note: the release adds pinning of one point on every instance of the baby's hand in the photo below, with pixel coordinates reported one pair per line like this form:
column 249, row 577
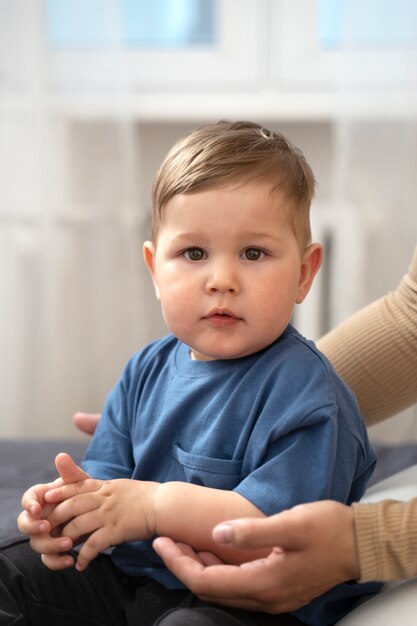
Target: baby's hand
column 33, row 520
column 46, row 537
column 107, row 512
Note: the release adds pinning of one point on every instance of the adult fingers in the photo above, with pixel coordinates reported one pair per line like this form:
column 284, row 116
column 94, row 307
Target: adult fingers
column 86, row 422
column 278, row 530
column 232, row 585
column 208, row 558
column 180, row 558
column 190, row 567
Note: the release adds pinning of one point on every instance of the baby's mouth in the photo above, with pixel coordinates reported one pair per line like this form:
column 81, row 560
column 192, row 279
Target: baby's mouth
column 222, row 317
column 221, row 312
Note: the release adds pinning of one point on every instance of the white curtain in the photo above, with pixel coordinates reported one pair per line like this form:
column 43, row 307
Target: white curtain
column 75, row 301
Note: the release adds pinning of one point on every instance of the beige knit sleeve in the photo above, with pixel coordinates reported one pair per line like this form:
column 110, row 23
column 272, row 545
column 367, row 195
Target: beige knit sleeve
column 375, row 351
column 386, row 535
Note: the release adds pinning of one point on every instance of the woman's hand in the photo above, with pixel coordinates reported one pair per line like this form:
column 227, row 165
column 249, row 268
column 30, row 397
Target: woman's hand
column 86, row 422
column 313, row 548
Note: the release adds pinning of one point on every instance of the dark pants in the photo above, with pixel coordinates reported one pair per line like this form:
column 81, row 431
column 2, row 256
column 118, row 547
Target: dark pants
column 30, row 593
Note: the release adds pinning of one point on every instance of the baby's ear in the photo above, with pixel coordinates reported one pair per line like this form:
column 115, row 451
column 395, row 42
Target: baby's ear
column 149, row 258
column 310, row 265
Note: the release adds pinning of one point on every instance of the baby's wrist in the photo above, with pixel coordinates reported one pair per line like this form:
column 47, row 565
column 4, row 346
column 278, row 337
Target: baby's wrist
column 141, row 519
column 155, row 508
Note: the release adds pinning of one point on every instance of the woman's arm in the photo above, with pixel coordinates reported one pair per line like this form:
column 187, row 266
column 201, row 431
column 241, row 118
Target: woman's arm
column 375, row 351
column 386, row 539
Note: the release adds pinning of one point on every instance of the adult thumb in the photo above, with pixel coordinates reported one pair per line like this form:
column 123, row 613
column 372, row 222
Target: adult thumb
column 68, row 469
column 265, row 532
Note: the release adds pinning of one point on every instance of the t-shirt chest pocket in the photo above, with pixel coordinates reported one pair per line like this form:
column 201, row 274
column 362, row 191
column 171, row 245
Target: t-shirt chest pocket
column 208, row 471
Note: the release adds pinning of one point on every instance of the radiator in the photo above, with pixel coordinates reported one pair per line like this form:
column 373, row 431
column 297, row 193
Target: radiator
column 337, row 289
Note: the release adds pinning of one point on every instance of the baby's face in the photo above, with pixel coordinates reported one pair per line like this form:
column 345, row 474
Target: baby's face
column 227, row 269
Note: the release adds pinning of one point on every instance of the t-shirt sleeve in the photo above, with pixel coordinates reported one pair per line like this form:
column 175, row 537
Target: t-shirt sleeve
column 319, row 460
column 110, row 453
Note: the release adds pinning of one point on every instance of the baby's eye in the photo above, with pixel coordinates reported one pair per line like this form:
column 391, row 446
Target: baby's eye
column 253, row 254
column 194, row 254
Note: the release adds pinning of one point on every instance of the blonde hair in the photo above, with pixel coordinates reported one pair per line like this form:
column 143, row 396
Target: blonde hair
column 226, row 152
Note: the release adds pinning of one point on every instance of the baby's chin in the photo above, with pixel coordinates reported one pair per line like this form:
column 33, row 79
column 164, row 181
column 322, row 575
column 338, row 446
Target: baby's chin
column 196, row 355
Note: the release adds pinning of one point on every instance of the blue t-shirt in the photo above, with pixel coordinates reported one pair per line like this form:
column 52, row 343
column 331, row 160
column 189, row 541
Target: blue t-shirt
column 279, row 427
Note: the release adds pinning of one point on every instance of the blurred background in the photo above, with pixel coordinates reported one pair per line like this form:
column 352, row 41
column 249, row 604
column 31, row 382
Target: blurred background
column 92, row 95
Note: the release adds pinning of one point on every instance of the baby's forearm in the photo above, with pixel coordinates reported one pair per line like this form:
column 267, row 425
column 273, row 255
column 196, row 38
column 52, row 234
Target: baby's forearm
column 115, row 511
column 187, row 513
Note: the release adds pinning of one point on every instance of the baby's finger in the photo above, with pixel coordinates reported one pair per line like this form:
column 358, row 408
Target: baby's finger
column 46, row 544
column 68, row 469
column 57, row 562
column 72, row 511
column 28, row 525
column 96, row 543
column 82, row 526
column 65, row 492
column 33, row 498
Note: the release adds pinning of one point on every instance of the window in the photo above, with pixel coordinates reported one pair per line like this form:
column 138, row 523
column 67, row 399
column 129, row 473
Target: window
column 132, row 23
column 136, row 45
column 363, row 44
column 367, row 24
